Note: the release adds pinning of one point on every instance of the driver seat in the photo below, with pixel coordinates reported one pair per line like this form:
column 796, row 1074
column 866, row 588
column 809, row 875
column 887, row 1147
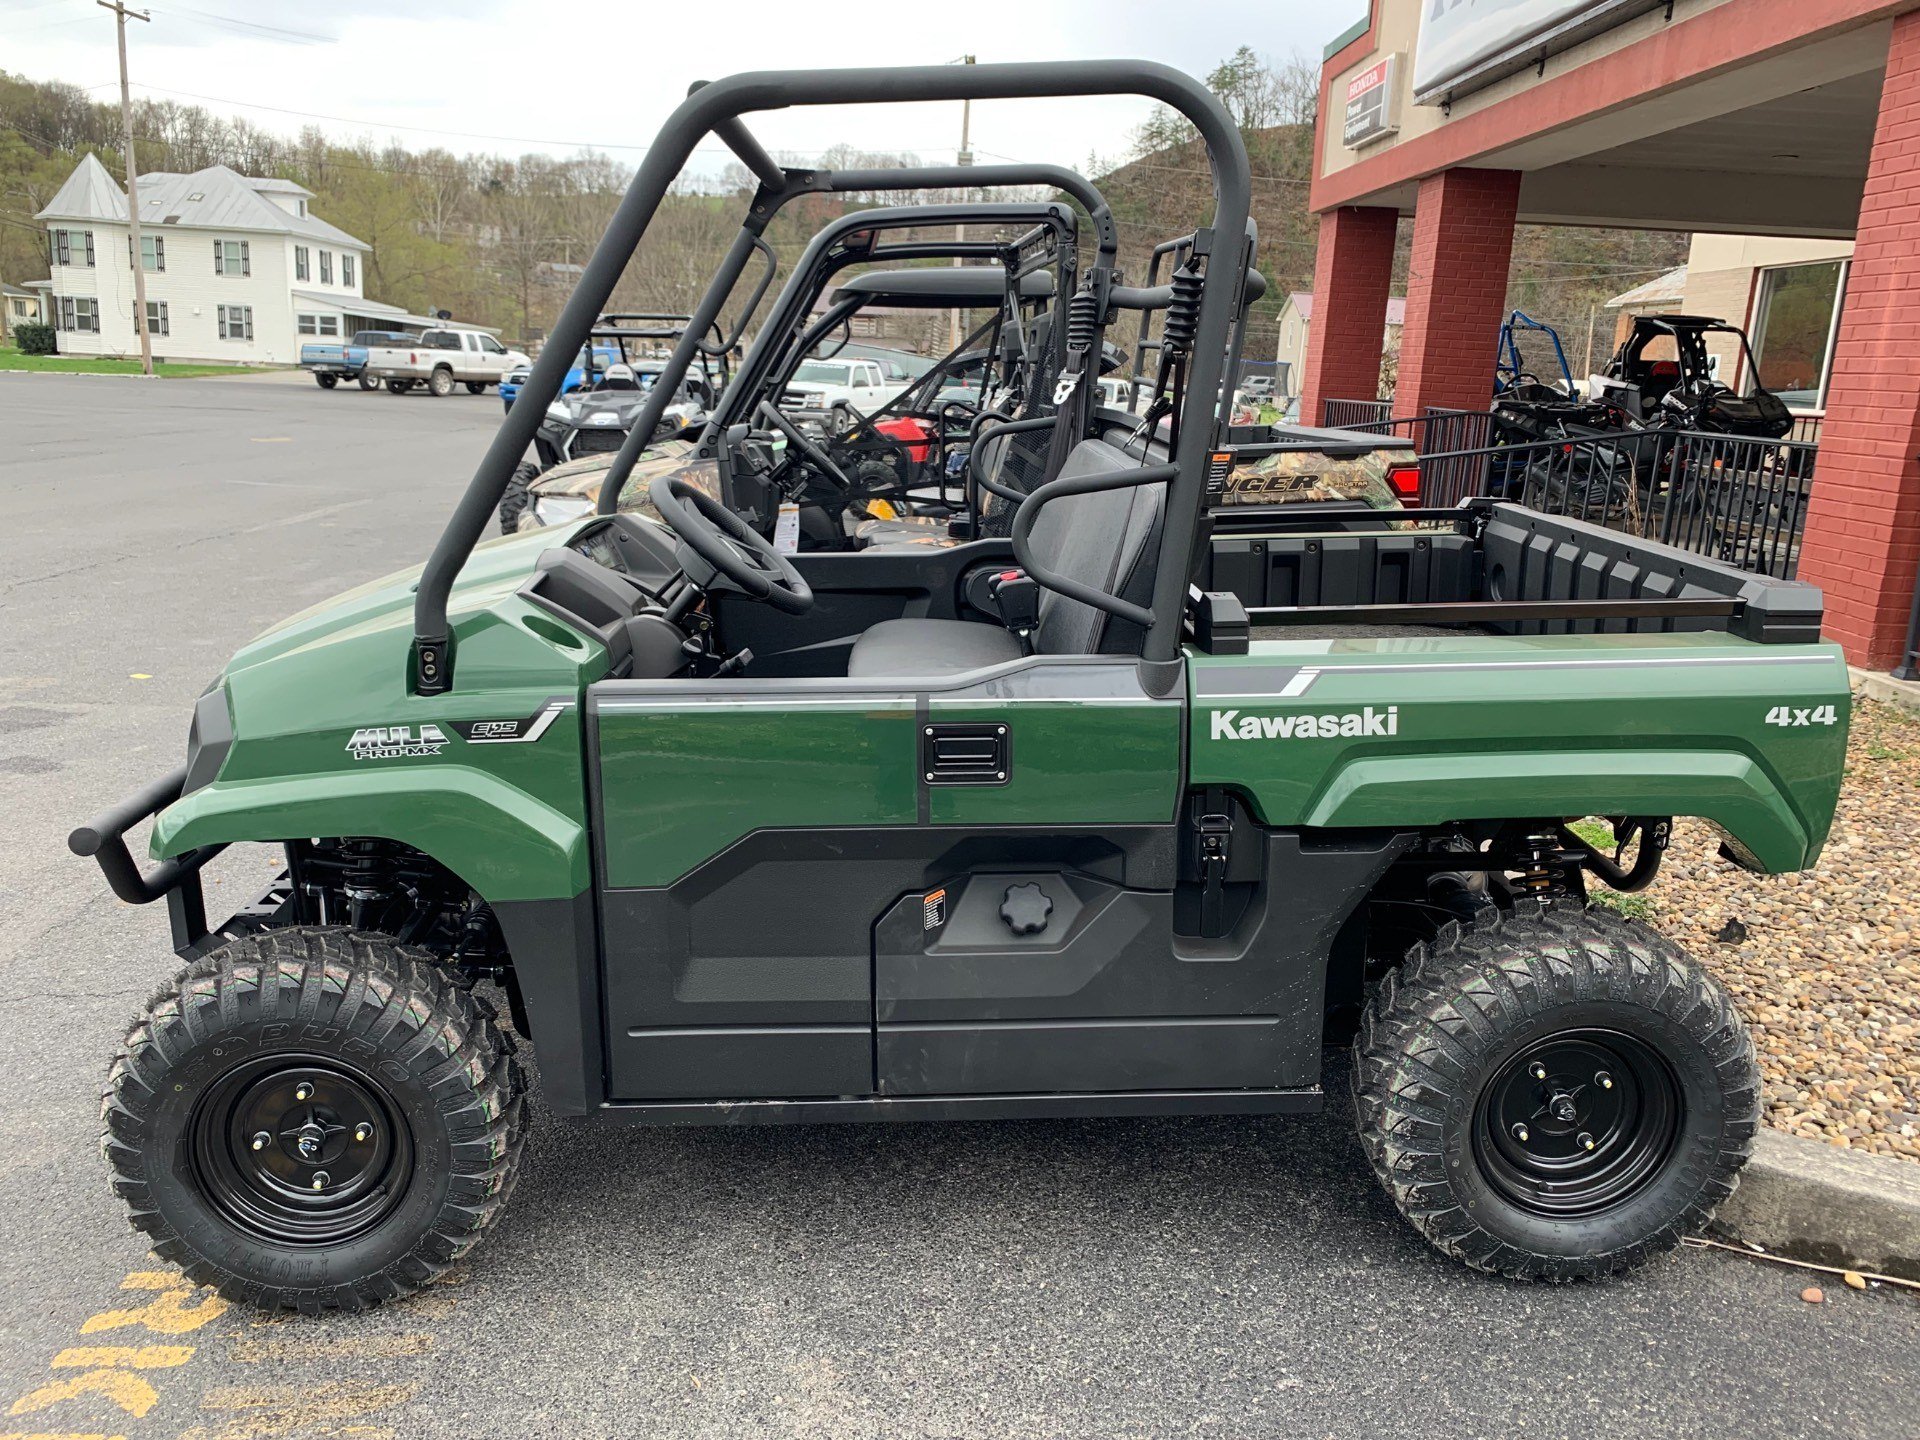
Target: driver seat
column 1109, row 539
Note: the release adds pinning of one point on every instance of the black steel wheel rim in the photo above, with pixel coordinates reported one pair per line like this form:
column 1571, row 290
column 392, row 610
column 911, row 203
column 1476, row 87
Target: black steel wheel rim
column 301, row 1150
column 1577, row 1123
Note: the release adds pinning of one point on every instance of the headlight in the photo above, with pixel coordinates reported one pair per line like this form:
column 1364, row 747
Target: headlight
column 559, row 509
column 559, row 412
column 605, row 417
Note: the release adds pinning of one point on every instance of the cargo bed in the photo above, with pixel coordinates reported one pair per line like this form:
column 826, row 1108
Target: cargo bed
column 1491, row 566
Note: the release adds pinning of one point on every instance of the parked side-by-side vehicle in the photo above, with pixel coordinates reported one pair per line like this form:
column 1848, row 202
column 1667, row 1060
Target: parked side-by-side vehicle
column 1133, row 808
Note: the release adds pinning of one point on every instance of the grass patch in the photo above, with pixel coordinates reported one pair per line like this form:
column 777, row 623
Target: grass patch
column 11, row 359
column 1636, row 906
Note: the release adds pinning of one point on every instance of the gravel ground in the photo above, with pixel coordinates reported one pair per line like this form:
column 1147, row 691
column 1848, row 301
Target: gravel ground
column 1825, row 963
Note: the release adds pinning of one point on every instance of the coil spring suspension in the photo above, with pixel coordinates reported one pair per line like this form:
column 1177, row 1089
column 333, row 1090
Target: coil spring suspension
column 1083, row 321
column 1543, row 871
column 1183, row 311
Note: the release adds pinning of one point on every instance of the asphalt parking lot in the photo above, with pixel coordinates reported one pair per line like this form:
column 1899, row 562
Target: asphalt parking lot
column 1119, row 1278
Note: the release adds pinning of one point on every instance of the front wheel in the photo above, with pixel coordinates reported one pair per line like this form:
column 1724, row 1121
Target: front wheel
column 476, row 387
column 367, row 382
column 514, row 500
column 1554, row 1094
column 440, row 383
column 313, row 1119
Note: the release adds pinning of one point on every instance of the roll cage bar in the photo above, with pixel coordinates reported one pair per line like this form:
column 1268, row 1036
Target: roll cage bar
column 716, row 109
column 787, row 335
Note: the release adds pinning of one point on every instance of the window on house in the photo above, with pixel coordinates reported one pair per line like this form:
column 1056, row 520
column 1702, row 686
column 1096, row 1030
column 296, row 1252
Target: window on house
column 79, row 312
column 157, row 318
column 300, row 262
column 326, row 267
column 232, row 257
column 1793, row 330
column 153, row 252
column 72, row 247
column 235, row 322
column 319, row 324
column 346, row 269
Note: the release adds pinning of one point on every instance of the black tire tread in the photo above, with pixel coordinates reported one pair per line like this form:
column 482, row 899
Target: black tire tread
column 513, row 499
column 1470, row 982
column 362, row 982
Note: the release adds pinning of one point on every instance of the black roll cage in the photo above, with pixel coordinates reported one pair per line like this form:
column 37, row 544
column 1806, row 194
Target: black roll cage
column 783, row 342
column 716, row 109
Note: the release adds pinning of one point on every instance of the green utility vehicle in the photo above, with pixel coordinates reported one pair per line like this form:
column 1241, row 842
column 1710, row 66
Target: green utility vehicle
column 1031, row 825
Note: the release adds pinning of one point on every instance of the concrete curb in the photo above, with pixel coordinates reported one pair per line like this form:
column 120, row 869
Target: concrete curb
column 1878, row 685
column 1833, row 1206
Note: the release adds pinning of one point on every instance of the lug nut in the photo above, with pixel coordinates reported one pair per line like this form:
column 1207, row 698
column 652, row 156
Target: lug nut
column 1586, row 1140
column 1603, row 1080
column 303, row 1092
column 261, row 1140
column 320, row 1179
column 362, row 1132
column 1520, row 1133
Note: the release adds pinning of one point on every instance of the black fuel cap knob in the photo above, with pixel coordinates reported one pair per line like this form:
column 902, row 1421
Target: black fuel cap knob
column 1025, row 909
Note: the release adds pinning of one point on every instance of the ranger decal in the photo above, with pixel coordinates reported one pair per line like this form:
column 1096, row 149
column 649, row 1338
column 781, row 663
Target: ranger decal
column 1231, row 725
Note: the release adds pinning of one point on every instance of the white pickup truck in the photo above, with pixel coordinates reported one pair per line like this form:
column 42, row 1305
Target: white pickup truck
column 820, row 386
column 441, row 359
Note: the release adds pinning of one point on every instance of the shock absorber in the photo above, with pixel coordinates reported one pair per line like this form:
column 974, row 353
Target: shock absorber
column 1083, row 321
column 1183, row 311
column 1542, row 868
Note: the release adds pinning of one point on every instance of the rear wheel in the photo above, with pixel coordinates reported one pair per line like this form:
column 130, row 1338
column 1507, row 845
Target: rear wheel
column 513, row 500
column 440, row 383
column 476, row 387
column 325, row 382
column 1554, row 1094
column 313, row 1119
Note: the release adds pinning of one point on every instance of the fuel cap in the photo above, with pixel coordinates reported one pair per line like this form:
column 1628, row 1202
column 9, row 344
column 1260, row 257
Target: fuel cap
column 1025, row 909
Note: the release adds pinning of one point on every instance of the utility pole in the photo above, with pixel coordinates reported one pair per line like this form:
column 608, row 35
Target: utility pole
column 964, row 156
column 120, row 14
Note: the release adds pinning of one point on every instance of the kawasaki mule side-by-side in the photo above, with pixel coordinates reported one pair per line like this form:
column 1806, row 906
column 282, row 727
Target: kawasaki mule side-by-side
column 1126, row 812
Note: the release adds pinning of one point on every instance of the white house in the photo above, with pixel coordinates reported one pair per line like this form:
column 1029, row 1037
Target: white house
column 237, row 268
column 1296, row 315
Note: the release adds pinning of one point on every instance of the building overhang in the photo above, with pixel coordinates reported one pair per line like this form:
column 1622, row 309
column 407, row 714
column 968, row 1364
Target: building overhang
column 1754, row 117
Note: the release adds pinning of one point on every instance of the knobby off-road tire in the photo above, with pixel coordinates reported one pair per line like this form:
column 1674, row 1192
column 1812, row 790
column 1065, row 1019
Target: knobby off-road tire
column 1645, row 1053
column 413, row 1093
column 514, row 500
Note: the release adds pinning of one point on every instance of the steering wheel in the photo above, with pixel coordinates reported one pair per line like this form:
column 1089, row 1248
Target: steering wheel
column 798, row 439
column 730, row 546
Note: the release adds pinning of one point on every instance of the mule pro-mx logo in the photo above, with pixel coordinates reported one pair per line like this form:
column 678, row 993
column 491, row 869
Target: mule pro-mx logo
column 396, row 742
column 1232, row 725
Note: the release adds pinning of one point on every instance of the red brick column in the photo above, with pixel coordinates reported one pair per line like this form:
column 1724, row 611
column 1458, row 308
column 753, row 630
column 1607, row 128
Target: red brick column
column 1456, row 289
column 1863, row 527
column 1352, row 273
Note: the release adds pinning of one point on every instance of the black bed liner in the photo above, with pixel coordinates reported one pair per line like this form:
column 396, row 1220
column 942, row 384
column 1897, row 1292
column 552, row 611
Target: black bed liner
column 1495, row 566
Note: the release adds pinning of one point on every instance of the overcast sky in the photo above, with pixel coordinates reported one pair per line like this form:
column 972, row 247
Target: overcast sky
column 545, row 75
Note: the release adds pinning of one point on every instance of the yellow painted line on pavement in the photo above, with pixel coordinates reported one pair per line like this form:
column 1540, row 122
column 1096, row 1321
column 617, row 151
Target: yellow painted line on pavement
column 345, row 1347
column 262, row 1412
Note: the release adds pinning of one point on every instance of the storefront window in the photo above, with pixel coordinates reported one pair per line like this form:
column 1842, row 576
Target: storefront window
column 1793, row 341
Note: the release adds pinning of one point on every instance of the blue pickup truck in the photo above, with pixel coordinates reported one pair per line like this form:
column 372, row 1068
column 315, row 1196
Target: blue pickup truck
column 331, row 362
column 603, row 356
